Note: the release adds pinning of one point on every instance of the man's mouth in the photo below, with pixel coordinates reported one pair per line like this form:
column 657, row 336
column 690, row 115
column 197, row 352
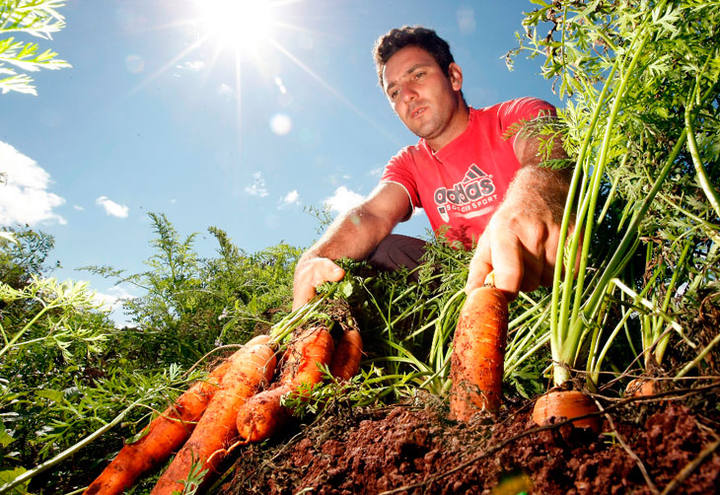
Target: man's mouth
column 417, row 112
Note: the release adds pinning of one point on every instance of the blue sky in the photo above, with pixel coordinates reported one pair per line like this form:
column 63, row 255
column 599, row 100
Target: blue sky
column 160, row 113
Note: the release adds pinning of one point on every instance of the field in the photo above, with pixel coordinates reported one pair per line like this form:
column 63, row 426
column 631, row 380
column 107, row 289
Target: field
column 639, row 125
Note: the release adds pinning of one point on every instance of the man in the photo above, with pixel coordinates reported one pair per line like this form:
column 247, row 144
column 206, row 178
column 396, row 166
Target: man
column 474, row 182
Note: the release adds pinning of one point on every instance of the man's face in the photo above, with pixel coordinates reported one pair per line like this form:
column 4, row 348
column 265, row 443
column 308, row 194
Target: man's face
column 419, row 91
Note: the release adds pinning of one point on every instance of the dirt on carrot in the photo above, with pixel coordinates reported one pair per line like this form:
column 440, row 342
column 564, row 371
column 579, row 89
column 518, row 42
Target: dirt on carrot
column 478, row 352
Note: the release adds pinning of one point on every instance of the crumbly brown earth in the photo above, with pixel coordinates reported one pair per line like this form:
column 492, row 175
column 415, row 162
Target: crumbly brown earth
column 645, row 447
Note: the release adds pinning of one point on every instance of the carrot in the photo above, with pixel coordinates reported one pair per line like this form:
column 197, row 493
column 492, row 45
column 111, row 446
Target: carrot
column 215, row 431
column 260, row 417
column 163, row 435
column 641, row 387
column 566, row 404
column 348, row 352
column 476, row 366
column 313, row 347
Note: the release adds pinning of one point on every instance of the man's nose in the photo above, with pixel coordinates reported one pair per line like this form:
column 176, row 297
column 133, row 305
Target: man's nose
column 408, row 93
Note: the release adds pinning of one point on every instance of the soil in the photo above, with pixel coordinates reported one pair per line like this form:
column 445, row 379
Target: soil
column 646, row 446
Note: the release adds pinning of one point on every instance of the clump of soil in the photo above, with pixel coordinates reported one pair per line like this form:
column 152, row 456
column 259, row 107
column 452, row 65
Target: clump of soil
column 416, row 449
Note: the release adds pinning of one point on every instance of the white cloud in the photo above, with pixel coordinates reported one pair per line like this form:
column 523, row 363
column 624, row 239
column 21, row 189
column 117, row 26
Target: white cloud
column 24, row 197
column 112, row 301
column 292, row 197
column 257, row 188
column 112, row 208
column 113, row 298
column 343, row 199
column 78, row 208
column 191, row 65
column 376, row 172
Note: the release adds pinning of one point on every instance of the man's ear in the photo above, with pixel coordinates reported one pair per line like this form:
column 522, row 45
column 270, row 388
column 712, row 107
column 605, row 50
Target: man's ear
column 455, row 73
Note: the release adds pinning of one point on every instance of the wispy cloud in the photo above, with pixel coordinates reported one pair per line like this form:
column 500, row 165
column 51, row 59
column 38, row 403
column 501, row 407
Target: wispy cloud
column 191, row 65
column 343, row 199
column 24, row 195
column 466, row 20
column 257, row 188
column 112, row 208
column 78, row 208
column 376, row 172
column 291, row 198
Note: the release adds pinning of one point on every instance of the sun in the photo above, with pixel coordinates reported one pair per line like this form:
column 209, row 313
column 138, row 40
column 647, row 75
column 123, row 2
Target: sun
column 240, row 24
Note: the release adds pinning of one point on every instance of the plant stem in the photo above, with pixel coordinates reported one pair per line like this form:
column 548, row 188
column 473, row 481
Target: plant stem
column 700, row 171
column 29, row 324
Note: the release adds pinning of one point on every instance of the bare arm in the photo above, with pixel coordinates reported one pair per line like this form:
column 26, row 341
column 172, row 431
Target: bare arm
column 352, row 235
column 521, row 239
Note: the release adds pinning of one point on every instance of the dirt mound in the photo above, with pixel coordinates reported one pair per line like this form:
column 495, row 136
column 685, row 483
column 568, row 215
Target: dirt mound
column 412, row 449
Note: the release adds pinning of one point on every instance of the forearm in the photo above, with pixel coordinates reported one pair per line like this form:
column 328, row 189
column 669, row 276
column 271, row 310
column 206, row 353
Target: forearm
column 539, row 191
column 353, row 235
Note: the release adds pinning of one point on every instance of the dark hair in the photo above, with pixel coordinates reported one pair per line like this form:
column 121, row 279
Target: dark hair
column 398, row 38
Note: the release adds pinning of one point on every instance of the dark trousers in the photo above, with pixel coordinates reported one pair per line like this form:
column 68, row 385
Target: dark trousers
column 396, row 251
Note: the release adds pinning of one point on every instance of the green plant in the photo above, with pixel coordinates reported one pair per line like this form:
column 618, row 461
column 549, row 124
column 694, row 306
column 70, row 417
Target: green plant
column 190, row 304
column 640, row 82
column 39, row 18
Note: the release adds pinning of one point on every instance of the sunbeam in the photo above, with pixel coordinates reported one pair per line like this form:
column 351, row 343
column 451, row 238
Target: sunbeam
column 169, row 64
column 334, row 91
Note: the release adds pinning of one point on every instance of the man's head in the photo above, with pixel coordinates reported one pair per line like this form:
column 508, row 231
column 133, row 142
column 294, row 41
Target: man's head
column 422, row 83
column 398, row 38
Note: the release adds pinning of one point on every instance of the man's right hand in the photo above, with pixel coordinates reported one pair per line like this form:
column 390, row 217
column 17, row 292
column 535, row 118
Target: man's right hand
column 309, row 274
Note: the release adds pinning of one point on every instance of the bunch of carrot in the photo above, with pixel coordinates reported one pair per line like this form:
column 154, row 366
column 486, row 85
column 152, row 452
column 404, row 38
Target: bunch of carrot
column 229, row 409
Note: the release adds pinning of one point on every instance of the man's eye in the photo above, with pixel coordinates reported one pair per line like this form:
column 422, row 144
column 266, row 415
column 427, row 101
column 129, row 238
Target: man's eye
column 393, row 94
column 419, row 75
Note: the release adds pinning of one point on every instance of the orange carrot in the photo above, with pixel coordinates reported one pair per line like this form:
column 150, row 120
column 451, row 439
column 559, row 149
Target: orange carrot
column 312, row 347
column 248, row 371
column 262, row 415
column 348, row 352
column 476, row 367
column 641, row 387
column 163, row 435
column 566, row 404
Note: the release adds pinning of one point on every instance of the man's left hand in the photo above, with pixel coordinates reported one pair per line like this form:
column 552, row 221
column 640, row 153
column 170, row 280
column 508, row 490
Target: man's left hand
column 519, row 245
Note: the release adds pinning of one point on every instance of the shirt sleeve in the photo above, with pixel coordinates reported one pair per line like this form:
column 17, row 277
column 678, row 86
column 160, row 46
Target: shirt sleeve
column 512, row 114
column 399, row 170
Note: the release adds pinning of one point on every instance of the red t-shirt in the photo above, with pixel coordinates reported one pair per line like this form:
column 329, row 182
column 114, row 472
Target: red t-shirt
column 462, row 184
